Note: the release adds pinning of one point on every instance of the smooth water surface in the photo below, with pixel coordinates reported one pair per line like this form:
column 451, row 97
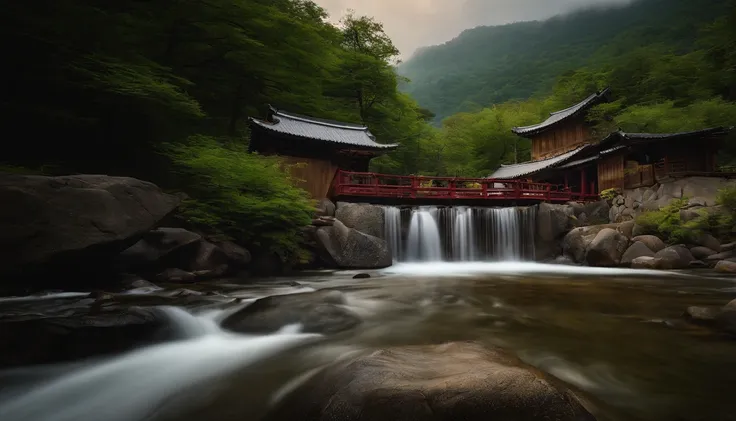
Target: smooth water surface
column 614, row 334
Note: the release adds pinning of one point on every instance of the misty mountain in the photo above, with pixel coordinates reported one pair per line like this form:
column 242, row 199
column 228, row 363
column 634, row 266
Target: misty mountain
column 493, row 64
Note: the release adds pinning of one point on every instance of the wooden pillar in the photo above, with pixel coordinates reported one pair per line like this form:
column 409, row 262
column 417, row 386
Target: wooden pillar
column 582, row 182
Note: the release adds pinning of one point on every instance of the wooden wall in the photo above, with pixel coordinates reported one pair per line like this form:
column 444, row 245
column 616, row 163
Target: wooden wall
column 560, row 139
column 611, row 172
column 315, row 175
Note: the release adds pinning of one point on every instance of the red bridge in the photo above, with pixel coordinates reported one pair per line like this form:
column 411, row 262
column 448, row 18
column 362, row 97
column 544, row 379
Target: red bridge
column 390, row 189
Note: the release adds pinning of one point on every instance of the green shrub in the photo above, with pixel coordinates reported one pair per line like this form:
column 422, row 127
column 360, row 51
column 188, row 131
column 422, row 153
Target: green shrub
column 667, row 223
column 245, row 197
column 609, row 194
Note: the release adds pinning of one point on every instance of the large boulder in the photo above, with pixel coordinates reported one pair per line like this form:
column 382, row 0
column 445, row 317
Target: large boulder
column 74, row 223
column 638, row 249
column 325, row 207
column 316, row 312
column 455, row 381
column 348, row 248
column 725, row 266
column 707, row 240
column 702, row 253
column 366, row 218
column 675, row 257
column 553, row 221
column 606, row 248
column 576, row 242
column 654, row 243
column 165, row 248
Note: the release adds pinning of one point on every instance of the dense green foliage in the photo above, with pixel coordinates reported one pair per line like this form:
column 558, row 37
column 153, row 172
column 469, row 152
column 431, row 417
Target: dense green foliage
column 491, row 65
column 162, row 91
column 253, row 202
column 655, row 88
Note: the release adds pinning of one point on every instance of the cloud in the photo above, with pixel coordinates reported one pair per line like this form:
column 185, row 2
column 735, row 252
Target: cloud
column 417, row 23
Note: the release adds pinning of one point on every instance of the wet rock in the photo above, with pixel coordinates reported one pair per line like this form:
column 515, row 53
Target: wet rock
column 597, row 211
column 653, row 242
column 607, row 248
column 59, row 339
column 368, row 219
column 325, row 207
column 721, row 256
column 675, row 257
column 160, row 244
column 576, row 242
column 706, row 316
column 698, row 264
column 175, row 276
column 431, row 382
column 627, row 228
column 564, row 260
column 317, row 312
column 728, row 247
column 725, row 266
column 646, row 262
column 707, row 240
column 362, row 276
column 553, row 221
column 343, row 247
column 640, row 230
column 638, row 249
column 74, row 224
column 702, row 252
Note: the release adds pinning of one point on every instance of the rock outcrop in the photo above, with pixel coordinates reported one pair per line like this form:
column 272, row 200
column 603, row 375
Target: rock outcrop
column 75, row 224
column 674, row 257
column 366, row 218
column 636, row 250
column 431, row 382
column 607, row 248
column 348, row 248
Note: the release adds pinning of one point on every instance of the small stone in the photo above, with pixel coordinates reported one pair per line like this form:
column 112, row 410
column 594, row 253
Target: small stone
column 701, row 315
column 698, row 264
column 362, row 276
column 725, row 266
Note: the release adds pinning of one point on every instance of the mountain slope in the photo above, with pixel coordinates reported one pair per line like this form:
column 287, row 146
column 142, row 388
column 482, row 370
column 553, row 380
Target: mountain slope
column 488, row 65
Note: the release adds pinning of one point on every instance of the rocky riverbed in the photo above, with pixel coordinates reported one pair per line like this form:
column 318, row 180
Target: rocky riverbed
column 428, row 341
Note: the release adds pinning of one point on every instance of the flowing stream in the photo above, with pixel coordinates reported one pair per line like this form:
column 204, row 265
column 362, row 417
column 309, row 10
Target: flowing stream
column 614, row 334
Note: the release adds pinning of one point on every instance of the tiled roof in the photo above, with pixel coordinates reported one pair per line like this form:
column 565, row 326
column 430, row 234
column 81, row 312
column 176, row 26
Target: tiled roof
column 571, row 164
column 562, row 115
column 621, row 136
column 528, row 168
column 313, row 128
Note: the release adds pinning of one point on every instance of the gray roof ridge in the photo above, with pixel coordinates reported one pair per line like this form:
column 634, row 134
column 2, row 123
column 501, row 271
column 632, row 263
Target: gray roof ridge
column 319, row 121
column 551, row 157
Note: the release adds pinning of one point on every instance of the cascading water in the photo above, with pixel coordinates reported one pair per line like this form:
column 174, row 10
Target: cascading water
column 424, row 242
column 460, row 233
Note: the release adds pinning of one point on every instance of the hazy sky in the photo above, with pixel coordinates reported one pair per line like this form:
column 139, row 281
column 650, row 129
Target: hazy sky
column 417, row 23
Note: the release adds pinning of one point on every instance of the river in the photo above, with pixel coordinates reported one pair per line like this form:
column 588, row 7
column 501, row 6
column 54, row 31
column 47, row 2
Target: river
column 614, row 334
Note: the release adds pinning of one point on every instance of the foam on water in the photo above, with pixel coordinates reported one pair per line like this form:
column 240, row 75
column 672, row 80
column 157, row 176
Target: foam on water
column 475, row 268
column 149, row 380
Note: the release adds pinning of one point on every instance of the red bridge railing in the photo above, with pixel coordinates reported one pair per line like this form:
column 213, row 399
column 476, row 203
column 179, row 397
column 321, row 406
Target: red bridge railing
column 364, row 184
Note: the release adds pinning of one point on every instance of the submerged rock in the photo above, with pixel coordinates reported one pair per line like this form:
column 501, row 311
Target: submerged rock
column 317, row 312
column 455, row 381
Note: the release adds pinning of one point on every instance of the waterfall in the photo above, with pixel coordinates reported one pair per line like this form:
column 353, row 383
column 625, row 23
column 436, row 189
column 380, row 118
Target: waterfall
column 424, row 242
column 460, row 233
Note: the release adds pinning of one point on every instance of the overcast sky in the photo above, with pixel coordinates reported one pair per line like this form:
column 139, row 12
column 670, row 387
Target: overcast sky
column 417, row 23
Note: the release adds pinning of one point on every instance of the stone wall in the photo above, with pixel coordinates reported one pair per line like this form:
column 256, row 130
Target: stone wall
column 700, row 191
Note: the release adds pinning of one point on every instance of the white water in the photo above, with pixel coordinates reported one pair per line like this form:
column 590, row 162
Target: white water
column 461, row 234
column 423, row 243
column 456, row 269
column 151, row 380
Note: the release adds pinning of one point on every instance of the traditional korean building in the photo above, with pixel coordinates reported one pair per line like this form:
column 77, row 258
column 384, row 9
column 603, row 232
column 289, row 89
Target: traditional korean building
column 565, row 153
column 562, row 138
column 321, row 147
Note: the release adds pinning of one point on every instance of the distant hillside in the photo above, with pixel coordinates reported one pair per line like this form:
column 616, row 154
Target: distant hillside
column 489, row 65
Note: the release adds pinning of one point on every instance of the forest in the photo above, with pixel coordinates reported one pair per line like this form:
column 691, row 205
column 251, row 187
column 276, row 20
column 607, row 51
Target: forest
column 162, row 91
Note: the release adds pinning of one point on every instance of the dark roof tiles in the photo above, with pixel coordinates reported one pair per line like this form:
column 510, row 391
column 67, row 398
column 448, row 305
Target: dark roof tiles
column 319, row 129
column 562, row 115
column 507, row 172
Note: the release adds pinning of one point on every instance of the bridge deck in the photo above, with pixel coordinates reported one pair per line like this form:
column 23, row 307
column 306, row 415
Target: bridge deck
column 384, row 188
